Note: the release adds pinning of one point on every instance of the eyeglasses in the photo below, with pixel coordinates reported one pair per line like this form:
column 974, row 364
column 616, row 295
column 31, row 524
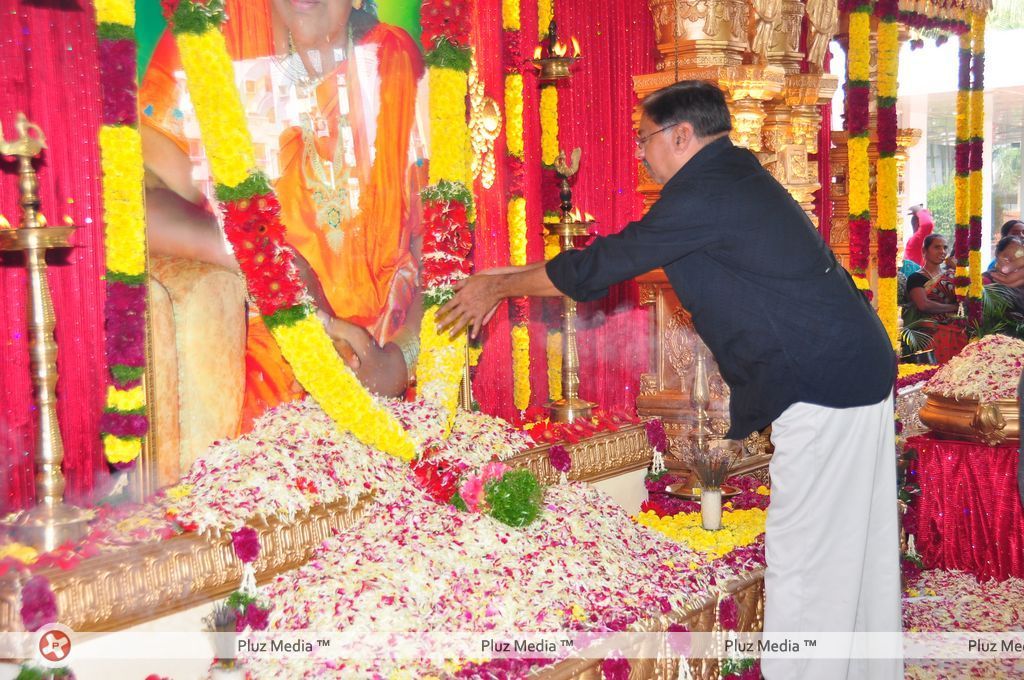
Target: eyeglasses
column 641, row 141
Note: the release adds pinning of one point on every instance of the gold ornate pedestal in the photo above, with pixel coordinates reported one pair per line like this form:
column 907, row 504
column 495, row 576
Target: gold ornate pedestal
column 992, row 423
column 120, row 589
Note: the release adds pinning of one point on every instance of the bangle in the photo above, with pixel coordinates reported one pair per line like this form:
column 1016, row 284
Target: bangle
column 408, row 340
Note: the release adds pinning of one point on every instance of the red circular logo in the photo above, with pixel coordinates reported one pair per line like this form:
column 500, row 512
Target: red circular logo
column 55, row 645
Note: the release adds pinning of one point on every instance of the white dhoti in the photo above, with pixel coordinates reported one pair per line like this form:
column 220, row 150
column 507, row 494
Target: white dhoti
column 832, row 537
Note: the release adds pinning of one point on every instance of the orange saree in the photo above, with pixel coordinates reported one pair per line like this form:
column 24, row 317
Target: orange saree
column 346, row 189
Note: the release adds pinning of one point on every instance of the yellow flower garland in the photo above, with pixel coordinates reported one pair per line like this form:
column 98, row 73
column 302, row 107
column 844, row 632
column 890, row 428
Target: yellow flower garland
column 323, row 374
column 739, row 528
column 545, row 10
column 554, row 354
column 121, row 450
column 126, row 400
column 115, row 12
column 516, row 214
column 548, row 124
column 886, row 179
column 449, row 150
column 304, row 343
column 520, row 332
column 521, row 366
column 124, row 213
column 510, row 15
column 903, row 370
column 859, row 56
column 961, row 197
column 439, row 371
column 888, row 55
column 124, row 219
column 514, row 114
column 960, row 209
column 222, row 120
column 857, row 148
column 974, row 182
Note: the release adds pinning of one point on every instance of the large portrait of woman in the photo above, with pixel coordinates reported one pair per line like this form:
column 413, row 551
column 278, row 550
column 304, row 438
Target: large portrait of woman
column 330, row 93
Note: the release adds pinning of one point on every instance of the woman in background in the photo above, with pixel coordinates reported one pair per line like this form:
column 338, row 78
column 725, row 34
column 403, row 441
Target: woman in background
column 343, row 166
column 933, row 304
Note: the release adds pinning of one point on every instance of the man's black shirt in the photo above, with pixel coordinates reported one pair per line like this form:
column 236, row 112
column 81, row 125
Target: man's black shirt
column 784, row 320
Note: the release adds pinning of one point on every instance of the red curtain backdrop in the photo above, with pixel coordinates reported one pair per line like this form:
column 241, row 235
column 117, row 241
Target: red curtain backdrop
column 492, row 383
column 617, row 40
column 595, row 114
column 968, row 514
column 49, row 70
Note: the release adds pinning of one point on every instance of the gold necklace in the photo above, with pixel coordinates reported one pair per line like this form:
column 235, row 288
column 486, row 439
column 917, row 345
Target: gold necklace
column 333, row 192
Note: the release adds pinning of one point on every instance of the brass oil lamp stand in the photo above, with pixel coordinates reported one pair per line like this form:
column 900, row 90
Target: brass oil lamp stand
column 570, row 228
column 51, row 522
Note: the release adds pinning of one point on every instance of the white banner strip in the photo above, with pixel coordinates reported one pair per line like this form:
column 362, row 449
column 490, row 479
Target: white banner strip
column 58, row 641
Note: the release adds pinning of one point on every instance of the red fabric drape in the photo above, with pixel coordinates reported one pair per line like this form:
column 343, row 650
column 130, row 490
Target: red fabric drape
column 595, row 114
column 492, row 383
column 43, row 48
column 618, row 43
column 968, row 514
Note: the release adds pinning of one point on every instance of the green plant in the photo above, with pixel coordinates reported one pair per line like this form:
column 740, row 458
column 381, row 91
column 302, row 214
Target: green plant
column 940, row 203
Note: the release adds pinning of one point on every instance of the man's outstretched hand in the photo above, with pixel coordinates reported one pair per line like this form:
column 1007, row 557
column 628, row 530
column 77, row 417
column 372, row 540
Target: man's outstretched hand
column 475, row 302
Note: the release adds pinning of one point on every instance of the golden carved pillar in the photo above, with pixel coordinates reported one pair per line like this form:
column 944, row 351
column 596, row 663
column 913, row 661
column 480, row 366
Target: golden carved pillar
column 785, row 47
column 699, row 33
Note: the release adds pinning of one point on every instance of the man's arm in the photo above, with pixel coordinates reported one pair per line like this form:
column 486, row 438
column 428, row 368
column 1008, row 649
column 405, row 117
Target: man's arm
column 478, row 296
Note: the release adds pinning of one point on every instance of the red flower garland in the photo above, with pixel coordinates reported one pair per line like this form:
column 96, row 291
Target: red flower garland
column 445, row 19
column 254, row 228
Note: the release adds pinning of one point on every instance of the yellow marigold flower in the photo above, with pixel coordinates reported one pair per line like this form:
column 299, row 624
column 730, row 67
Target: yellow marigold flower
column 180, row 491
column 115, row 12
column 450, row 150
column 857, row 149
column 514, row 114
column 859, row 52
column 960, row 207
column 124, row 214
column 329, row 380
column 974, row 190
column 548, row 124
column 887, row 185
column 120, row 450
column 126, row 400
column 517, row 230
column 440, row 366
column 762, row 491
column 578, row 612
column 977, row 117
column 510, row 15
column 974, row 264
column 25, row 554
column 222, row 122
column 554, row 354
column 545, row 8
column 739, row 528
column 551, row 244
column 887, row 311
column 521, row 366
column 888, row 58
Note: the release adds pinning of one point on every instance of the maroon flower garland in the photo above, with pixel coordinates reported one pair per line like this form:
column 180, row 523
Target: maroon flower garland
column 123, row 426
